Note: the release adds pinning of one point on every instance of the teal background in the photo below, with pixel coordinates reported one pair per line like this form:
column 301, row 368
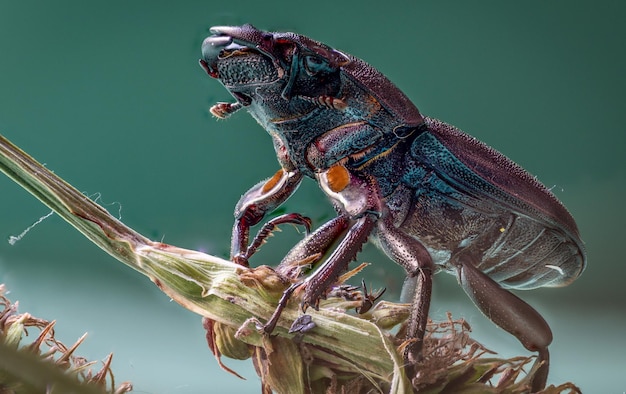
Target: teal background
column 109, row 95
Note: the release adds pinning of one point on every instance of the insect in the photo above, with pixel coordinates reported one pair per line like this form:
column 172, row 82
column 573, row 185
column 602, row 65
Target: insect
column 430, row 196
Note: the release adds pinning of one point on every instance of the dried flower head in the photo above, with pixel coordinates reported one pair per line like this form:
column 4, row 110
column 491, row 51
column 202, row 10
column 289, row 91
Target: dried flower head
column 46, row 364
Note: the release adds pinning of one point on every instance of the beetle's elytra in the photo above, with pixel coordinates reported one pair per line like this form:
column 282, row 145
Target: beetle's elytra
column 430, row 196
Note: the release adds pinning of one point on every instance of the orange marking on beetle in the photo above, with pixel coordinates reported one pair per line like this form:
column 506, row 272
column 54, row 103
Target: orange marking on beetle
column 338, row 178
column 272, row 181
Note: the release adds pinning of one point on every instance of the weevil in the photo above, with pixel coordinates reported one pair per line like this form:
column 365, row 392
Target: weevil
column 430, row 196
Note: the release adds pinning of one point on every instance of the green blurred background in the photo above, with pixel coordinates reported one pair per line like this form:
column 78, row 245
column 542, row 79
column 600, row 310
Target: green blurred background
column 109, row 95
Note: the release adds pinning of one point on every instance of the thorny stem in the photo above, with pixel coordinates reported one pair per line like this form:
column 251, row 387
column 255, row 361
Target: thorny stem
column 342, row 353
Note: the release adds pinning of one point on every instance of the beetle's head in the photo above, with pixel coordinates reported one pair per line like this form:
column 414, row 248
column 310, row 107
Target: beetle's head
column 274, row 72
column 299, row 89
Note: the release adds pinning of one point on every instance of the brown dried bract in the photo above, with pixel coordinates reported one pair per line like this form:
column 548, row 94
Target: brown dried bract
column 14, row 326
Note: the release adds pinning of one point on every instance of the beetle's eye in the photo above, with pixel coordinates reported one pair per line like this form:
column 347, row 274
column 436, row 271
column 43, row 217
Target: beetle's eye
column 315, row 64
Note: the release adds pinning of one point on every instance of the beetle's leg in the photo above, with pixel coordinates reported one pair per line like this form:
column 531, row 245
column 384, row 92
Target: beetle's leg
column 510, row 313
column 317, row 243
column 262, row 198
column 337, row 263
column 360, row 206
column 413, row 256
column 269, row 226
column 270, row 325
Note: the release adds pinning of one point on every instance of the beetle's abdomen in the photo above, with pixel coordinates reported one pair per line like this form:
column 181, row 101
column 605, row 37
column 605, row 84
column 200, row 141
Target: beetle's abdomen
column 461, row 216
column 528, row 254
column 515, row 250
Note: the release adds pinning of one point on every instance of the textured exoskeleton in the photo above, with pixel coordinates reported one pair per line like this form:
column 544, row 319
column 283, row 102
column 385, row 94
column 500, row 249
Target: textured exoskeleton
column 430, row 196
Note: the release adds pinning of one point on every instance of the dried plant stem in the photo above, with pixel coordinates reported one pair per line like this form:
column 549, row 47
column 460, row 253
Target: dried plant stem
column 343, row 352
column 204, row 284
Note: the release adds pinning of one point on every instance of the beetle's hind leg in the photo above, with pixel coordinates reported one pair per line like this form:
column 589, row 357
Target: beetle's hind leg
column 510, row 313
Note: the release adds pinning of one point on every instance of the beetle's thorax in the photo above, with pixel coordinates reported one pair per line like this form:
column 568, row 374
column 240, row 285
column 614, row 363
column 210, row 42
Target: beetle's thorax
column 317, row 135
column 312, row 99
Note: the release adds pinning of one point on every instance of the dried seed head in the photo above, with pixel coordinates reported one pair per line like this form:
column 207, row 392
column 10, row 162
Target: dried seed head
column 47, row 351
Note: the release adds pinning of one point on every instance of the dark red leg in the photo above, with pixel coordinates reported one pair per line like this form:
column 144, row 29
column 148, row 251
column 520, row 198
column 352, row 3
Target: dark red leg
column 411, row 254
column 262, row 198
column 510, row 313
column 266, row 231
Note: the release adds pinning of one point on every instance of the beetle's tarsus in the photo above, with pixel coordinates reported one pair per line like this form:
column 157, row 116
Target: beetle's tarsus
column 270, row 325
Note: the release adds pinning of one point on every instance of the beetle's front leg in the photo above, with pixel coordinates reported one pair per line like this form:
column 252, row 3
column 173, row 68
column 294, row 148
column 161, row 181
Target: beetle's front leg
column 262, row 198
column 337, row 263
column 267, row 229
column 326, row 274
column 358, row 201
column 313, row 247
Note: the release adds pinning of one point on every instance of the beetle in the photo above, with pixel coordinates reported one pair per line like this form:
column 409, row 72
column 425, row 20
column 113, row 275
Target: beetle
column 430, row 196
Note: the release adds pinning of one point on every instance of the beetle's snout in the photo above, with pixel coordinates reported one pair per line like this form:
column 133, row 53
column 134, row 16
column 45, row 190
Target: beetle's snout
column 234, row 62
column 211, row 48
column 212, row 45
